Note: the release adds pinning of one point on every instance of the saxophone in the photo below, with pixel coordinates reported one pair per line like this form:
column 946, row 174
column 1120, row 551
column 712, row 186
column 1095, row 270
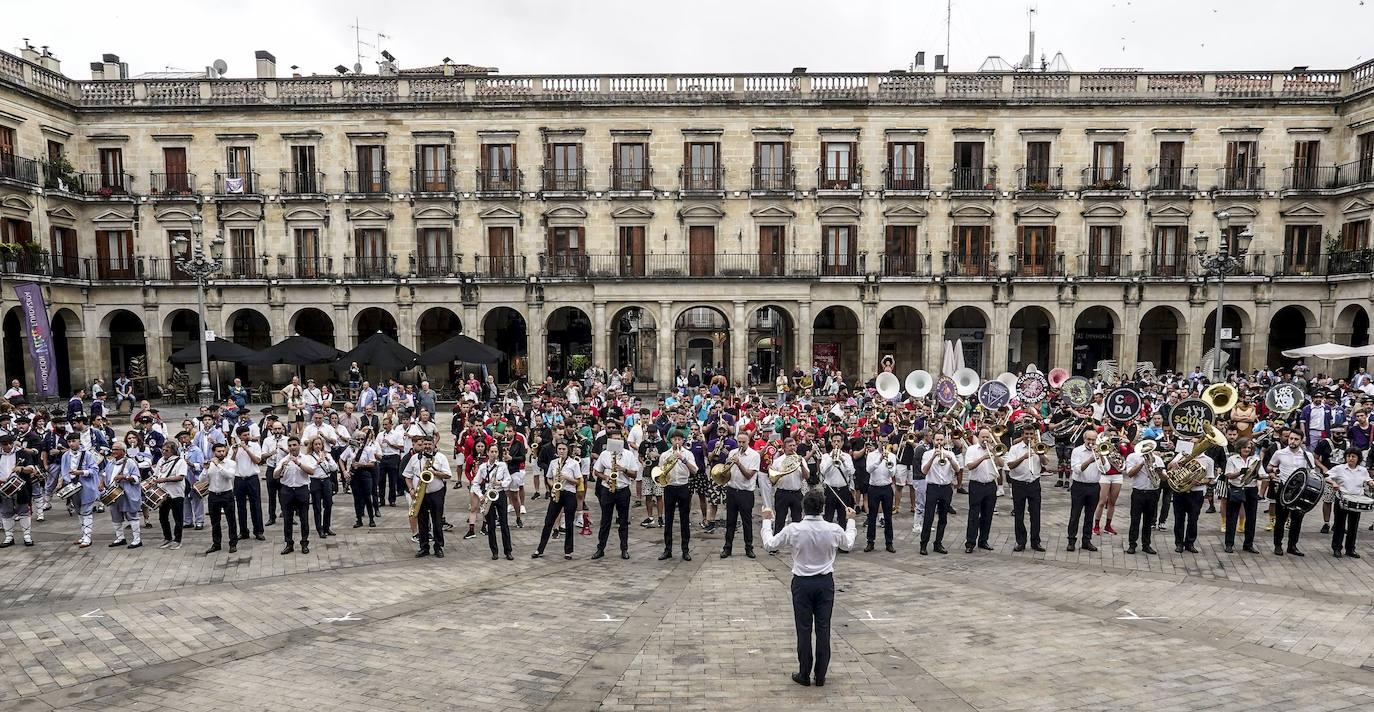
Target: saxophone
column 491, row 491
column 556, row 483
column 426, row 476
column 613, row 481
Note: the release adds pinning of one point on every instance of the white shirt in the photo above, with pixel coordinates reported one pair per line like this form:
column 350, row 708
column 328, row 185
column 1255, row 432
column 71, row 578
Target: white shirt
column 880, row 465
column 1029, row 469
column 680, row 473
column 746, row 460
column 795, row 481
column 174, row 466
column 626, row 458
column 393, row 441
column 1208, row 466
column 293, row 472
column 1236, row 466
column 273, row 448
column 221, row 476
column 571, row 468
column 837, row 471
column 1288, row 460
column 243, row 464
column 986, row 471
column 496, row 472
column 813, row 541
column 1351, row 480
column 1086, row 465
column 417, row 465
column 939, row 474
column 1141, row 479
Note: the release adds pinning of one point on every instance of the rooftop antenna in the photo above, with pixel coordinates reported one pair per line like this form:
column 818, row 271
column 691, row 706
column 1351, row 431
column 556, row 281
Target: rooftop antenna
column 1028, row 64
column 949, row 15
column 220, row 67
column 358, row 43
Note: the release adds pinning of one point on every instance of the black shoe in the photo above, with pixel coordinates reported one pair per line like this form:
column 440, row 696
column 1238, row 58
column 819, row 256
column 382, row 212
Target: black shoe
column 233, row 548
column 1191, row 549
column 1149, row 550
column 1211, row 509
column 1178, row 549
column 820, row 682
column 510, row 557
column 329, row 532
column 1229, row 549
column 536, row 555
column 259, row 537
column 968, row 550
column 1130, row 549
column 665, row 556
column 495, row 556
column 1249, row 549
column 940, row 549
column 271, row 521
column 686, row 556
column 1019, row 547
column 1278, row 551
column 1037, row 547
column 924, row 552
column 1088, row 546
column 1070, row 547
column 305, row 548
column 422, row 552
column 747, row 552
column 800, row 679
column 470, row 535
column 891, row 550
column 624, row 554
column 595, row 555
column 288, row 549
column 1326, row 528
column 869, row 547
column 1353, row 554
column 1294, row 551
column 371, row 524
column 1336, row 553
column 113, row 544
column 136, row 546
column 961, row 490
column 212, row 550
column 985, row 547
column 724, row 553
column 438, row 552
column 357, row 524
column 567, row 557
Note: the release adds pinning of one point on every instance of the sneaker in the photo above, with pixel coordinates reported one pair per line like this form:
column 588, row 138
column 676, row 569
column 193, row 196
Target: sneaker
column 519, row 524
column 415, row 538
column 522, row 509
column 164, row 545
column 1110, row 530
column 448, row 527
column 1097, row 529
column 510, row 508
column 1326, row 528
column 470, row 535
column 175, row 545
column 647, row 523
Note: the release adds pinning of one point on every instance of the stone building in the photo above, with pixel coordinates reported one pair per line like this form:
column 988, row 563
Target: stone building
column 667, row 221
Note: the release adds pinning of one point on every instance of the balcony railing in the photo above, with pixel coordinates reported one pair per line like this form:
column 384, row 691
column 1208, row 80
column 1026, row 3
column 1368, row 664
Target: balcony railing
column 915, row 178
column 434, row 180
column 436, row 266
column 17, row 168
column 1107, row 178
column 305, row 267
column 1239, row 179
column 499, row 180
column 237, row 184
column 36, row 264
column 499, row 267
column 631, row 178
column 1039, row 179
column 67, row 266
column 970, row 180
column 1356, row 172
column 301, row 183
column 106, row 184
column 243, row 267
column 1160, row 264
column 844, row 177
column 957, row 264
column 701, row 178
column 370, row 267
column 165, row 184
column 1297, row 264
column 773, row 179
column 373, row 182
column 1358, row 261
column 564, row 180
column 1311, row 178
column 1104, row 265
column 701, row 265
column 117, row 268
column 1173, row 178
column 906, row 265
column 1038, row 264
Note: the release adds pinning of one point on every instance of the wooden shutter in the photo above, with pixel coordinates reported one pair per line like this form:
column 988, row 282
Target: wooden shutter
column 102, row 245
column 853, row 165
column 1116, row 241
column 1049, row 251
column 1021, row 256
column 853, row 265
column 986, row 231
column 825, row 177
column 766, row 250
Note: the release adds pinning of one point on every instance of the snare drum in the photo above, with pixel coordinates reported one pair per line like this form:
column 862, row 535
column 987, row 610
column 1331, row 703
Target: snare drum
column 68, row 490
column 111, row 495
column 1301, row 491
column 202, row 486
column 12, row 486
column 1354, row 502
column 153, row 495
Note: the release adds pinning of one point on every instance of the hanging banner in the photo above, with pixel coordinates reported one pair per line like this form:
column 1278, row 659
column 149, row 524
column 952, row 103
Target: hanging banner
column 826, row 355
column 35, row 315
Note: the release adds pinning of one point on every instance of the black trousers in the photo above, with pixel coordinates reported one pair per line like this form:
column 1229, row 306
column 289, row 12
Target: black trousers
column 813, row 600
column 1025, row 499
column 982, row 499
column 619, row 503
column 1294, row 519
column 739, row 507
column 788, row 506
column 1082, row 503
column 362, row 493
column 248, row 498
column 880, row 497
column 172, row 506
column 496, row 517
column 1251, row 508
column 429, row 519
column 221, row 504
column 1166, row 498
column 677, row 500
column 836, row 499
column 273, row 497
column 567, row 506
column 389, row 484
column 295, row 502
column 1143, row 505
column 1187, row 509
column 938, row 500
column 322, row 502
column 1343, row 530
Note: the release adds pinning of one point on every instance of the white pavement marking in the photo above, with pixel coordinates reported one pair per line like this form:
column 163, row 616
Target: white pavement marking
column 92, row 614
column 345, row 617
column 1131, row 616
column 870, row 617
column 605, row 618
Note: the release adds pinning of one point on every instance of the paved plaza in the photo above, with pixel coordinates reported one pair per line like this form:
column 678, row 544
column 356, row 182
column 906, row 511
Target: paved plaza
column 360, row 624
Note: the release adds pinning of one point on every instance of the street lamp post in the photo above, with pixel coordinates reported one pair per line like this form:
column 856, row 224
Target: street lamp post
column 201, row 268
column 1221, row 263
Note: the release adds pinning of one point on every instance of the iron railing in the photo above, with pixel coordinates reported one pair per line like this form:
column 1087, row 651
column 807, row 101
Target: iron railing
column 842, row 177
column 373, row 182
column 1297, row 264
column 305, row 267
column 18, row 168
column 959, row 264
column 436, row 266
column 301, row 183
column 1356, row 261
column 1039, row 179
column 773, row 178
column 499, row 267
column 434, row 180
column 1038, row 264
column 499, row 180
column 1240, row 179
column 969, row 179
column 1311, row 178
column 1173, row 178
column 564, row 180
column 701, row 178
column 106, row 184
column 1104, row 265
column 237, row 184
column 370, row 267
column 243, row 267
column 917, row 265
column 1106, row 178
column 183, row 183
column 631, row 178
column 906, row 178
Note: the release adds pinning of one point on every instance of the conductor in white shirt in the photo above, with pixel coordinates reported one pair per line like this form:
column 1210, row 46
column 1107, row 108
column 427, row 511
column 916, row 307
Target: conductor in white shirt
column 813, row 542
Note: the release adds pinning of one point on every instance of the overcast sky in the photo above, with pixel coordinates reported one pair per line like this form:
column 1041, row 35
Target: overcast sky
column 586, row 36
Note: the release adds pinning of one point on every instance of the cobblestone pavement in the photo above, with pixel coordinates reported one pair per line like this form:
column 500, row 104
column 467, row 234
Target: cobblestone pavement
column 360, row 624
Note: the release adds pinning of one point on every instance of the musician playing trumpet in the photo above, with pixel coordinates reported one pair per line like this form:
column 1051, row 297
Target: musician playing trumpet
column 618, row 465
column 985, row 469
column 1025, row 461
column 939, row 466
column 1238, row 469
column 1143, row 467
column 836, row 469
column 677, row 495
column 739, row 496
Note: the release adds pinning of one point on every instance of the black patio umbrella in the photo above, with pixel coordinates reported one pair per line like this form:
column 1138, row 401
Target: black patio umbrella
column 460, row 348
column 378, row 351
column 218, row 350
column 296, row 351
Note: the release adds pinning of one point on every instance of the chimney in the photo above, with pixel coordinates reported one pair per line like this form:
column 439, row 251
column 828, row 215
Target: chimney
column 28, row 52
column 97, row 71
column 114, row 69
column 267, row 64
column 940, row 65
column 921, row 61
column 50, row 62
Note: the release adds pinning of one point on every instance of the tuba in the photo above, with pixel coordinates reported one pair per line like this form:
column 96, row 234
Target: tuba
column 786, row 465
column 426, row 476
column 1189, row 472
column 1220, row 397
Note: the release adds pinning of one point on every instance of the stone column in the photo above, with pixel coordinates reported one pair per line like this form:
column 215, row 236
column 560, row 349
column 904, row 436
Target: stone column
column 868, row 341
column 535, row 349
column 1255, row 341
column 998, row 340
column 804, row 327
column 1063, row 341
column 739, row 345
column 600, row 348
column 1128, row 351
column 666, row 325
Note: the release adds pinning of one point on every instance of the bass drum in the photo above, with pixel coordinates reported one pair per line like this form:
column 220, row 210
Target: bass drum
column 1301, row 491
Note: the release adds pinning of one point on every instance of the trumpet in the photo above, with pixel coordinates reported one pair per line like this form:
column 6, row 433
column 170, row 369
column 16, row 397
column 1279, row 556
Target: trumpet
column 941, row 459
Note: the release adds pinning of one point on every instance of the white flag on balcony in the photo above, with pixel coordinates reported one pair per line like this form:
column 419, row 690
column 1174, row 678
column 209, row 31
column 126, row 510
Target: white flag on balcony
column 233, row 185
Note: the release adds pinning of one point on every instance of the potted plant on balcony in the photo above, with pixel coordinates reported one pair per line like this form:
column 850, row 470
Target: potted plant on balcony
column 59, row 175
column 9, row 254
column 1039, row 187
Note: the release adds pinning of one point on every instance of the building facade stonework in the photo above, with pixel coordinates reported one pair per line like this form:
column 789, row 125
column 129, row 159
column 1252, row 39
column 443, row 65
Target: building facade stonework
column 666, row 221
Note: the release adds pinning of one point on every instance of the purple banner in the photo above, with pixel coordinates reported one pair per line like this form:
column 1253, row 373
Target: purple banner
column 35, row 313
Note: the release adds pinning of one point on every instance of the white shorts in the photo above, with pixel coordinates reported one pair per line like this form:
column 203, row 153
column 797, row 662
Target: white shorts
column 902, row 477
column 1112, row 479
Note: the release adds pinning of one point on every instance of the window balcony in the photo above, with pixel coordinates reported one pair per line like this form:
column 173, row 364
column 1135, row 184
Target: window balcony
column 436, row 266
column 958, row 264
column 701, row 180
column 243, row 268
column 499, row 268
column 1099, row 266
column 1032, row 181
column 773, row 179
column 1172, row 179
column 1302, row 264
column 1311, row 179
column 1240, row 179
column 564, row 180
column 1357, row 261
column 1038, row 264
column 301, row 184
column 15, row 169
column 917, row 265
column 499, row 182
column 370, row 267
column 374, row 182
column 105, row 185
column 437, row 180
column 906, row 179
column 237, row 184
column 1359, row 172
column 973, row 182
column 305, row 267
column 165, row 185
column 1106, row 179
column 631, row 179
column 117, row 268
column 840, row 179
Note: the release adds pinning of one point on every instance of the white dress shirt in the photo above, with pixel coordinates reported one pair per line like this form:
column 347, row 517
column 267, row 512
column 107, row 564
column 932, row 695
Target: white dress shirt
column 1289, row 460
column 221, row 476
column 746, row 459
column 986, row 471
column 174, row 466
column 1030, row 468
column 293, row 470
column 393, row 441
column 417, row 465
column 495, row 472
column 626, row 458
column 837, row 471
column 1141, row 479
column 1087, row 466
column 243, row 463
column 795, row 481
column 880, row 466
column 813, row 541
column 1236, row 466
column 571, row 468
column 680, row 473
column 1351, row 480
column 939, row 474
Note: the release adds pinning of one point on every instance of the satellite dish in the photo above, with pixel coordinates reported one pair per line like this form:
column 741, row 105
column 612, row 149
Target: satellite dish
column 220, row 67
column 357, row 68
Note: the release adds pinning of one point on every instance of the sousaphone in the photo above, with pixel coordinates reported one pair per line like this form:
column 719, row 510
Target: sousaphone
column 919, row 383
column 888, row 386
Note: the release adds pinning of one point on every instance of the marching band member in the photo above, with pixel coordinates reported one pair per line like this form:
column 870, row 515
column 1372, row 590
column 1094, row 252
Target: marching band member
column 1236, row 467
column 939, row 466
column 274, row 449
column 246, row 455
column 220, row 501
column 322, row 487
column 361, row 472
column 1282, row 464
column 1349, row 477
column 122, row 470
column 1144, row 499
column 15, row 462
column 1025, row 467
column 739, row 496
column 170, row 475
column 836, row 469
column 984, row 471
column 493, row 473
column 79, row 465
column 622, row 465
column 879, row 463
column 193, row 505
column 1188, row 505
column 677, row 496
column 294, row 471
column 563, row 473
column 1086, row 472
column 431, row 516
column 787, row 492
